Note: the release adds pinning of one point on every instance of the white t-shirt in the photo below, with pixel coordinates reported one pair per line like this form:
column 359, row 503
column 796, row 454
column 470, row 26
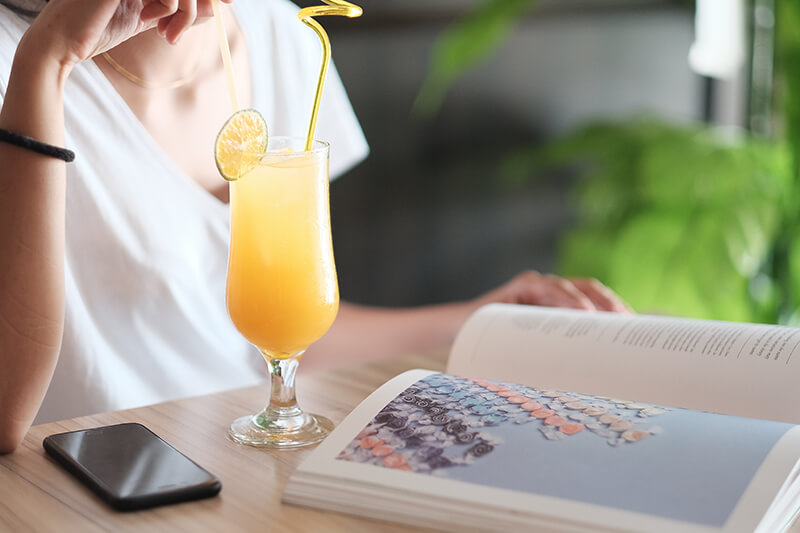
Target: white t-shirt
column 147, row 246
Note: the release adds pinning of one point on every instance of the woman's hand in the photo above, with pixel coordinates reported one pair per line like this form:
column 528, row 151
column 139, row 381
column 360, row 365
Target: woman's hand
column 532, row 288
column 33, row 187
column 359, row 329
column 71, row 31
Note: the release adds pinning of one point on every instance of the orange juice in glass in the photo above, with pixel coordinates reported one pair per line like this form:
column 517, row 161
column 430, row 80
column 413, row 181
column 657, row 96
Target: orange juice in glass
column 282, row 292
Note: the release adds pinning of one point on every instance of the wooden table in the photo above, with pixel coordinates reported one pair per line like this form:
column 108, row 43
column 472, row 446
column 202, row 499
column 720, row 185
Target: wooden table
column 38, row 495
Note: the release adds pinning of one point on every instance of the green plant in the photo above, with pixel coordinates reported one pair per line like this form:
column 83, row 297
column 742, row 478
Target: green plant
column 465, row 44
column 788, row 242
column 678, row 220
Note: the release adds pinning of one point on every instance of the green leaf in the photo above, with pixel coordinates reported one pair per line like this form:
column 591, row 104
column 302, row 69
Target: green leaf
column 676, row 263
column 464, row 45
column 677, row 220
column 749, row 236
column 788, row 52
column 787, row 260
column 792, row 290
column 585, row 253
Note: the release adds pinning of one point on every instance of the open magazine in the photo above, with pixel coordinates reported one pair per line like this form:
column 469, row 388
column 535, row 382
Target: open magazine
column 560, row 420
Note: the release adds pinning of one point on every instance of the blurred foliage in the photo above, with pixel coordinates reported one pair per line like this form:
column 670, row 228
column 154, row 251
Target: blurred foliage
column 465, row 44
column 678, row 220
column 468, row 42
column 787, row 245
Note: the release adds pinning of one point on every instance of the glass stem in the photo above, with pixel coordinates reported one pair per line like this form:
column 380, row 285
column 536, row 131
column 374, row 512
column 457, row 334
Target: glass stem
column 282, row 401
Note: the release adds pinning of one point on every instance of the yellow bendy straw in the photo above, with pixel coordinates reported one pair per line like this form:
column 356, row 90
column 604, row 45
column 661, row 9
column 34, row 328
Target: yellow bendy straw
column 225, row 52
column 332, row 7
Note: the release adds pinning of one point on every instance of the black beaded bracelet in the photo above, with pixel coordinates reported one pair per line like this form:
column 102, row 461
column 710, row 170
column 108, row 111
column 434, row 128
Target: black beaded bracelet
column 39, row 147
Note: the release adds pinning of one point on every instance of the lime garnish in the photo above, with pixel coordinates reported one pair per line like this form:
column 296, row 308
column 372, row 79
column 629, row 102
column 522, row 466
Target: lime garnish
column 240, row 144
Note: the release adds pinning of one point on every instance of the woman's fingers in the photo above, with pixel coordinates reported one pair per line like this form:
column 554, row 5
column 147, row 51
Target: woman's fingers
column 181, row 21
column 561, row 292
column 162, row 27
column 533, row 288
column 204, row 9
column 176, row 16
column 158, row 9
column 602, row 297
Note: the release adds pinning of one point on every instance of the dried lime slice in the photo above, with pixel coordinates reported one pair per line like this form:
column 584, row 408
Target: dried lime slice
column 240, row 144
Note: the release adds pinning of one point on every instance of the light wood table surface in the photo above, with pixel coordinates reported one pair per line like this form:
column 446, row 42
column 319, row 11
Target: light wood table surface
column 36, row 494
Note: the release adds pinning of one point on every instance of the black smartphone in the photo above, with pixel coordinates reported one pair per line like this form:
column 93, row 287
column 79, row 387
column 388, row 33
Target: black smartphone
column 131, row 467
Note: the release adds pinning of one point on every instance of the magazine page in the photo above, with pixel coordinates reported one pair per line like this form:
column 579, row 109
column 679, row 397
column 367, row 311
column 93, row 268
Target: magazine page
column 562, row 461
column 749, row 370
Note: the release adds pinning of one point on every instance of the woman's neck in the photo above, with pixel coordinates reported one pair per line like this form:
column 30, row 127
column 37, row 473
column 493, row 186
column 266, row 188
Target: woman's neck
column 149, row 57
column 184, row 120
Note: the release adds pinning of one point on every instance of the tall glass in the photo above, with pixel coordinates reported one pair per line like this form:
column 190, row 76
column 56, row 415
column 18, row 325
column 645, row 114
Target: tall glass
column 282, row 292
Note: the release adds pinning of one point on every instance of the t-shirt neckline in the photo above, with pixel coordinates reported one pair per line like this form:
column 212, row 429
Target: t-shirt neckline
column 156, row 150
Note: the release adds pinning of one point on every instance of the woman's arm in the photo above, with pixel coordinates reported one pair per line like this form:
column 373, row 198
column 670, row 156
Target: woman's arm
column 33, row 188
column 362, row 334
column 32, row 200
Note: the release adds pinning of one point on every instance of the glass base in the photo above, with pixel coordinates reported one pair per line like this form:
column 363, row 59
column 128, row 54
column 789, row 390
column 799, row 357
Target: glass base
column 294, row 432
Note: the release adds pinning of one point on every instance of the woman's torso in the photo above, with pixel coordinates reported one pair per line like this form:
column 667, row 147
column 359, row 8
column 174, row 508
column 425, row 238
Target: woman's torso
column 147, row 244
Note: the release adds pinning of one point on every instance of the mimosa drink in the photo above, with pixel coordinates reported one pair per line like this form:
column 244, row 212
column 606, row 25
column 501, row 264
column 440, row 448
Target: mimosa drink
column 282, row 291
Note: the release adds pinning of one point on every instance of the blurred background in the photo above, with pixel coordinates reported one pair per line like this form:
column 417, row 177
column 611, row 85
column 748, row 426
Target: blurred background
column 643, row 142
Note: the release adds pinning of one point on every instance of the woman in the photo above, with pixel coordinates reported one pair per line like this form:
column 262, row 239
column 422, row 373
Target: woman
column 112, row 268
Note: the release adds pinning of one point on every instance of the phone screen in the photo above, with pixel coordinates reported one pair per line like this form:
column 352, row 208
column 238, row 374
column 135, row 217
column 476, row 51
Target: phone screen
column 130, row 466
